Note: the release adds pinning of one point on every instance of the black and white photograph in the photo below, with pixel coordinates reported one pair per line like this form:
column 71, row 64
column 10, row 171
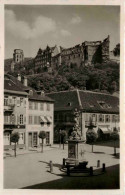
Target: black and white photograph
column 61, row 112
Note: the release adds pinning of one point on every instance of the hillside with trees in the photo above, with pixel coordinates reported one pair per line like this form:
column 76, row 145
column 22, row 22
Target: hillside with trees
column 100, row 77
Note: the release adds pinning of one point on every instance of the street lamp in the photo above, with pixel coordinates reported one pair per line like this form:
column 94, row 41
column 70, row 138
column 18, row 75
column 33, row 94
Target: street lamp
column 60, row 138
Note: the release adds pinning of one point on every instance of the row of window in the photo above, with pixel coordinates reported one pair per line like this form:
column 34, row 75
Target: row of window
column 72, row 56
column 19, row 101
column 102, row 117
column 95, row 117
column 39, row 106
column 7, row 138
column 13, row 100
column 36, row 120
column 13, row 119
column 68, row 52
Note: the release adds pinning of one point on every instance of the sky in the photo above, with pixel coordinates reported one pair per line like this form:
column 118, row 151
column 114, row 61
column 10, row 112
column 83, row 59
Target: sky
column 30, row 27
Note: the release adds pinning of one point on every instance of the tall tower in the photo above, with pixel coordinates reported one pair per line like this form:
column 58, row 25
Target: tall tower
column 18, row 55
column 105, row 49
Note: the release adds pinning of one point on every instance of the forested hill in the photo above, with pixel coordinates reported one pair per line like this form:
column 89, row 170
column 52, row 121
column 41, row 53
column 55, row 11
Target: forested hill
column 100, row 77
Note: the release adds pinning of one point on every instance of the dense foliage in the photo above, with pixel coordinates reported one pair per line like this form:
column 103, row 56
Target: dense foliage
column 99, row 77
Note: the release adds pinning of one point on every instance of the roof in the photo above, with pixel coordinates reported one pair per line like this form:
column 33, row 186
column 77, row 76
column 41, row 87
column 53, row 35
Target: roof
column 87, row 101
column 37, row 97
column 11, row 84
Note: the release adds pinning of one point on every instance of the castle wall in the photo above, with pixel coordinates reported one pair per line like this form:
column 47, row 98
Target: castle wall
column 105, row 49
column 87, row 53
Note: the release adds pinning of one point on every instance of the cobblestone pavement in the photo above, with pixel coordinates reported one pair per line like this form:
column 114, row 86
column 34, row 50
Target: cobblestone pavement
column 31, row 167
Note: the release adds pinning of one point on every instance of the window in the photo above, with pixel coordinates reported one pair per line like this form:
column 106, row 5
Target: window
column 6, row 118
column 30, row 105
column 117, row 118
column 21, row 139
column 41, row 106
column 113, row 118
column 21, row 119
column 48, row 107
column 21, row 101
column 94, row 117
column 103, row 104
column 14, row 100
column 107, row 118
column 6, row 101
column 18, row 101
column 35, row 106
column 86, row 117
column 101, row 118
column 47, row 137
column 30, row 120
column 91, row 105
column 69, row 104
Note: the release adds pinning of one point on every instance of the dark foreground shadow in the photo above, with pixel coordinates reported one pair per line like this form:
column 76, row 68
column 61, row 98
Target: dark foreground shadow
column 99, row 152
column 117, row 156
column 108, row 180
column 54, row 164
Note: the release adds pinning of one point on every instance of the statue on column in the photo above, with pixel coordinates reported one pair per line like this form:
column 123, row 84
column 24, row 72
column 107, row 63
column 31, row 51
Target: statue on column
column 76, row 134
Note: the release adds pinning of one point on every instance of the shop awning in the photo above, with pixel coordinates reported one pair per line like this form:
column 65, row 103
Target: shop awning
column 49, row 119
column 105, row 130
column 42, row 119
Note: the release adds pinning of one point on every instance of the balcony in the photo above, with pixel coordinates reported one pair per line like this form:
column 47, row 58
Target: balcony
column 9, row 107
column 14, row 125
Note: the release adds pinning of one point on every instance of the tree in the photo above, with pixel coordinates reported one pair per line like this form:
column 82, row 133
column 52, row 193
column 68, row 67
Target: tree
column 91, row 135
column 14, row 138
column 42, row 135
column 63, row 136
column 114, row 137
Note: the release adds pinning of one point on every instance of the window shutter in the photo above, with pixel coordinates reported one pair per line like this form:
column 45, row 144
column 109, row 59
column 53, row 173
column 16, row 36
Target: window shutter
column 13, row 119
column 24, row 102
column 18, row 119
column 24, row 119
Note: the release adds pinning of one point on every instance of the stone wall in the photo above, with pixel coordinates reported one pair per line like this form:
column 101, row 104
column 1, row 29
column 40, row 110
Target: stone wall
column 105, row 49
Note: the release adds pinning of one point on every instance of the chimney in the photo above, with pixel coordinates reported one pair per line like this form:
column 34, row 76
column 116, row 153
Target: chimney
column 19, row 77
column 41, row 93
column 25, row 81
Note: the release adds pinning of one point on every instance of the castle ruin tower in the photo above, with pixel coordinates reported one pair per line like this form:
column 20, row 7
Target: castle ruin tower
column 105, row 49
column 18, row 55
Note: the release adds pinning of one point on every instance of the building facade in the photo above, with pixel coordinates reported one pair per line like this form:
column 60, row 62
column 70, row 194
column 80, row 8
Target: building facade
column 39, row 118
column 27, row 112
column 103, row 109
column 86, row 53
column 15, row 103
column 44, row 57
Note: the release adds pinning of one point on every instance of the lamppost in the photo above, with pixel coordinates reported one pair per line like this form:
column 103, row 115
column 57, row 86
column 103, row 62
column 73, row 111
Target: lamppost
column 60, row 138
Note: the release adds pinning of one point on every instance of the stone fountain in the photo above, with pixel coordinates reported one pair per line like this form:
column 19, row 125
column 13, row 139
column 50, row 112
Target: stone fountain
column 76, row 144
